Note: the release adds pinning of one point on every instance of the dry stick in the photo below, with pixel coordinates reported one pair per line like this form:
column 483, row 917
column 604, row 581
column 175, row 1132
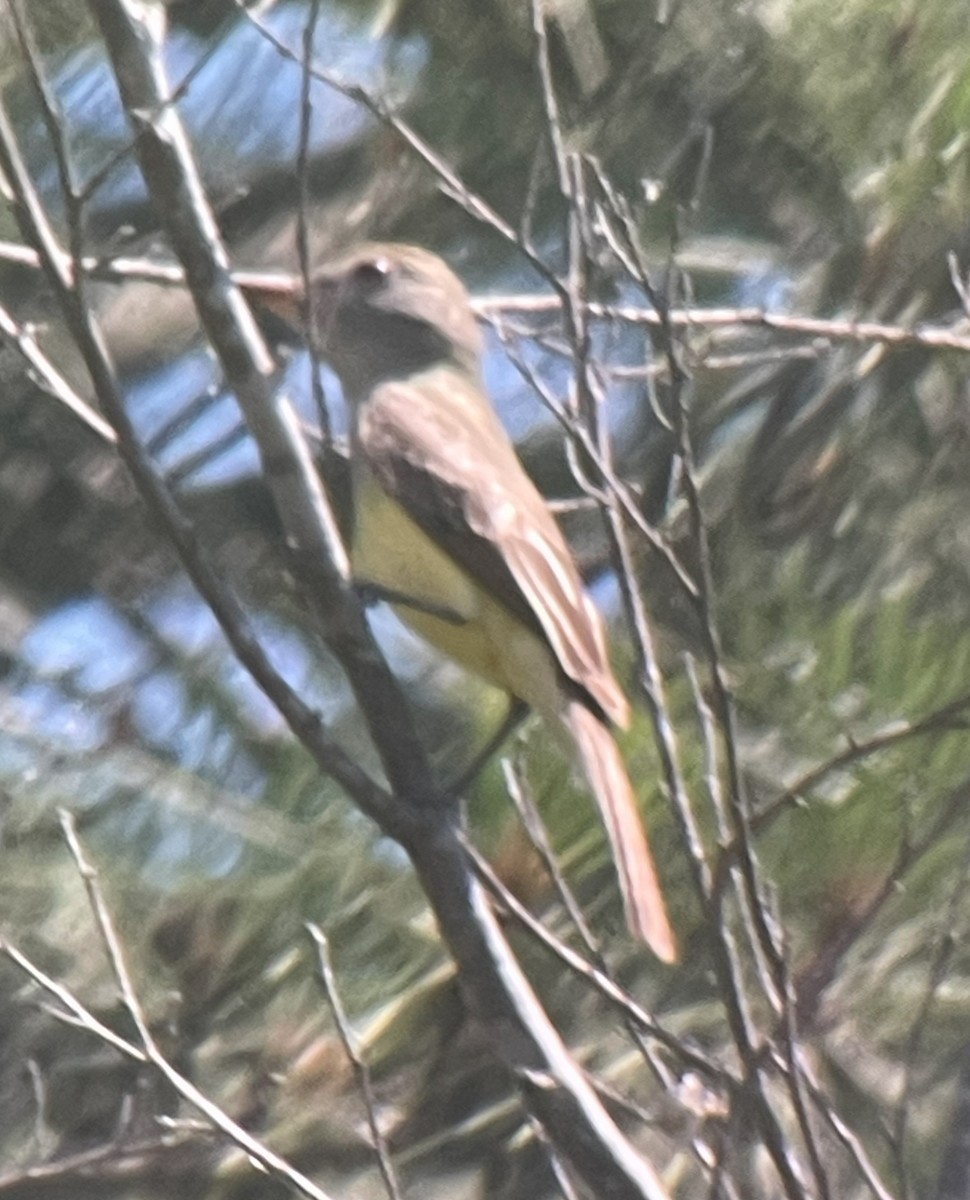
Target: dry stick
column 960, row 284
column 72, row 1011
column 715, row 794
column 793, row 1073
column 762, row 935
column 805, row 1002
column 812, row 983
column 614, row 490
column 524, row 802
column 361, row 1070
column 949, row 718
column 691, row 1057
column 133, row 1163
column 451, row 182
column 122, row 154
column 737, row 810
column 572, row 292
column 623, row 240
column 665, row 733
column 945, row 950
column 715, row 791
column 310, row 332
column 573, row 298
column 47, row 376
column 707, row 360
column 319, row 556
column 712, row 777
column 556, row 1165
column 719, row 805
column 584, row 427
column 837, row 330
column 821, row 330
column 147, row 1051
column 304, row 721
column 500, row 998
column 497, row 991
column 574, row 303
column 846, row 1135
column 42, row 1140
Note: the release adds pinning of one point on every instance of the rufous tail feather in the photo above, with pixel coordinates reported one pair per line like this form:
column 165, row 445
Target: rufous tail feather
column 643, row 901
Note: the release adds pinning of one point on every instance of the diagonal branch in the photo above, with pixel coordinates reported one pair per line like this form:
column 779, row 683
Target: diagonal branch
column 497, row 992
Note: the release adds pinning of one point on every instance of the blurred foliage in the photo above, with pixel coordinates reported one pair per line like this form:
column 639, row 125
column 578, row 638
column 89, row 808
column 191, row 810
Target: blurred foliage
column 810, row 155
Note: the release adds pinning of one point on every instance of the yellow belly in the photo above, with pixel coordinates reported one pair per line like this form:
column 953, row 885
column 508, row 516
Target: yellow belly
column 393, row 552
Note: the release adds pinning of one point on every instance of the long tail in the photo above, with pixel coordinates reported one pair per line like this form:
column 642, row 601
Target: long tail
column 643, row 901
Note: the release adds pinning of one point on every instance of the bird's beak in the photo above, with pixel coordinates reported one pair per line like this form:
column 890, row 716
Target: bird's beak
column 279, row 295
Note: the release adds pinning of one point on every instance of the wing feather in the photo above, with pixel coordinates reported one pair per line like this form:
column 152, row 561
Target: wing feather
column 451, row 465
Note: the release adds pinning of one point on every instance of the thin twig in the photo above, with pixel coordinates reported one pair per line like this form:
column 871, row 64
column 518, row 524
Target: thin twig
column 303, row 254
column 846, row 1136
column 793, row 1057
column 522, row 799
column 147, row 1051
column 556, row 1164
column 328, row 981
column 522, row 1034
column 617, row 488
column 818, row 330
column 621, row 233
column 948, row 938
column 48, row 378
column 521, row 796
column 691, row 1057
column 951, row 717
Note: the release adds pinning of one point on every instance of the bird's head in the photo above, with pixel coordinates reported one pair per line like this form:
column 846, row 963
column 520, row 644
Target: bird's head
column 381, row 312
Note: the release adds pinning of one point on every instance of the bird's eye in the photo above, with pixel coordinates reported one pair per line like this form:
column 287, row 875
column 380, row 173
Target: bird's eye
column 371, row 275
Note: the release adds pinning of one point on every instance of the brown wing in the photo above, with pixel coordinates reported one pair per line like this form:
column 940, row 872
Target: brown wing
column 436, row 446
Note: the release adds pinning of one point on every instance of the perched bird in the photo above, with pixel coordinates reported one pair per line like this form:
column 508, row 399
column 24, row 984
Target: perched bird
column 448, row 522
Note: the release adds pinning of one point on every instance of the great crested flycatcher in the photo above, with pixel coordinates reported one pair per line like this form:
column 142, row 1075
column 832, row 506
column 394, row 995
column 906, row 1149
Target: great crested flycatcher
column 446, row 518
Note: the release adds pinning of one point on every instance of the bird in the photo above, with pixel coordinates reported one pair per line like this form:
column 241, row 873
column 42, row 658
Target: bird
column 448, row 523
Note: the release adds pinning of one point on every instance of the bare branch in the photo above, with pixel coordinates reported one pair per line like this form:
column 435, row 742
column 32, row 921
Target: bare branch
column 497, row 991
column 147, row 1051
column 328, row 981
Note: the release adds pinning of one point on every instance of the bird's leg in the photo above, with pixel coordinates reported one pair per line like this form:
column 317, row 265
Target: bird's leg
column 518, row 710
column 370, row 594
